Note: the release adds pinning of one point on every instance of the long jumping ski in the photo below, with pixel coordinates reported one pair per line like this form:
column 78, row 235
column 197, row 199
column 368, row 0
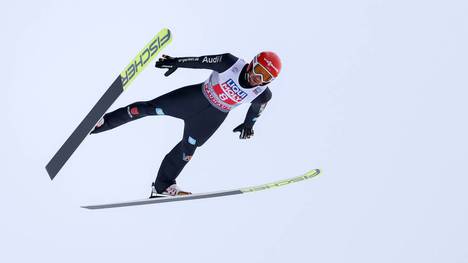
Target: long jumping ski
column 121, row 83
column 308, row 175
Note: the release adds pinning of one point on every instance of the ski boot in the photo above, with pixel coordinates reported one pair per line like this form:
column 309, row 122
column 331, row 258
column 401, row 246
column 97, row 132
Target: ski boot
column 99, row 124
column 172, row 190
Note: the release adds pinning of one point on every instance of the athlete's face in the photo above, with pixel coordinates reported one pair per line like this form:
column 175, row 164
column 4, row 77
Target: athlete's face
column 257, row 74
column 254, row 80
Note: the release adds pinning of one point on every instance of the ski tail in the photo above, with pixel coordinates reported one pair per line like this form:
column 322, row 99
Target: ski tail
column 83, row 129
column 120, row 84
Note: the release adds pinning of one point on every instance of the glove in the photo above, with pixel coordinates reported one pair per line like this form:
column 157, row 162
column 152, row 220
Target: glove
column 166, row 62
column 245, row 132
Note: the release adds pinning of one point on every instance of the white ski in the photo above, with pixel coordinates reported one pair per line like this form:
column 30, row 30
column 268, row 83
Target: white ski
column 303, row 177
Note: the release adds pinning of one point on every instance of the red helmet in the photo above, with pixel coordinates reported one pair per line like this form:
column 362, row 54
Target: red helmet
column 267, row 65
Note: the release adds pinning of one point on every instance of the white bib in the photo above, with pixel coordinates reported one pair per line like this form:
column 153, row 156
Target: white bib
column 224, row 92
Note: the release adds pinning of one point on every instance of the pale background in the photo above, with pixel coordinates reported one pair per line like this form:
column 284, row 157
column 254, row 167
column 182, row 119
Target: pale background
column 372, row 92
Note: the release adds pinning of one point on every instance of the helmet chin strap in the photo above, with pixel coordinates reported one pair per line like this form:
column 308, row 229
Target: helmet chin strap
column 246, row 74
column 247, row 77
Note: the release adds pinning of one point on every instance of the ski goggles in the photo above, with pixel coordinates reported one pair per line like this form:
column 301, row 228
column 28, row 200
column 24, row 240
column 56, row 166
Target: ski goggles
column 261, row 71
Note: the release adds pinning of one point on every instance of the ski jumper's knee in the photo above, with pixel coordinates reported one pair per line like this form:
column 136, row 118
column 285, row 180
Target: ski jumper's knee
column 139, row 110
column 189, row 145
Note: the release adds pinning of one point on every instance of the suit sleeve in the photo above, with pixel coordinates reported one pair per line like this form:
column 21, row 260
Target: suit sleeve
column 219, row 63
column 256, row 108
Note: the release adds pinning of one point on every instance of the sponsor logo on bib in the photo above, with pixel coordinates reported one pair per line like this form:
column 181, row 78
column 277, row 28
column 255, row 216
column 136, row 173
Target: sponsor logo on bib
column 229, row 92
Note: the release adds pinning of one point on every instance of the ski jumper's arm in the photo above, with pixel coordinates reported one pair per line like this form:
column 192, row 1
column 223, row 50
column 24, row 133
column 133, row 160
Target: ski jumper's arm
column 219, row 63
column 256, row 108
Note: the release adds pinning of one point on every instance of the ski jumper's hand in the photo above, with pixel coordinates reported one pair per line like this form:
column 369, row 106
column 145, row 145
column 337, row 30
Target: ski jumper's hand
column 167, row 62
column 245, row 132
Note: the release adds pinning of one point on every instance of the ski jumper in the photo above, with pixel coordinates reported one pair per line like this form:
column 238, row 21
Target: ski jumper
column 203, row 108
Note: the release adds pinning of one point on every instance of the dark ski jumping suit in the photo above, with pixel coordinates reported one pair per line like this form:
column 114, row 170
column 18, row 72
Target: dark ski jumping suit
column 202, row 109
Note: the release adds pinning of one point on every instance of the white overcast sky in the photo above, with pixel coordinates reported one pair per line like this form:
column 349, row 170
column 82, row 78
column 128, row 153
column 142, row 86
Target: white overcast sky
column 373, row 92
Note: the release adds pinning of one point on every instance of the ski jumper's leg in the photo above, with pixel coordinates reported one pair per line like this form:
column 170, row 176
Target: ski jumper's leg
column 177, row 103
column 198, row 129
